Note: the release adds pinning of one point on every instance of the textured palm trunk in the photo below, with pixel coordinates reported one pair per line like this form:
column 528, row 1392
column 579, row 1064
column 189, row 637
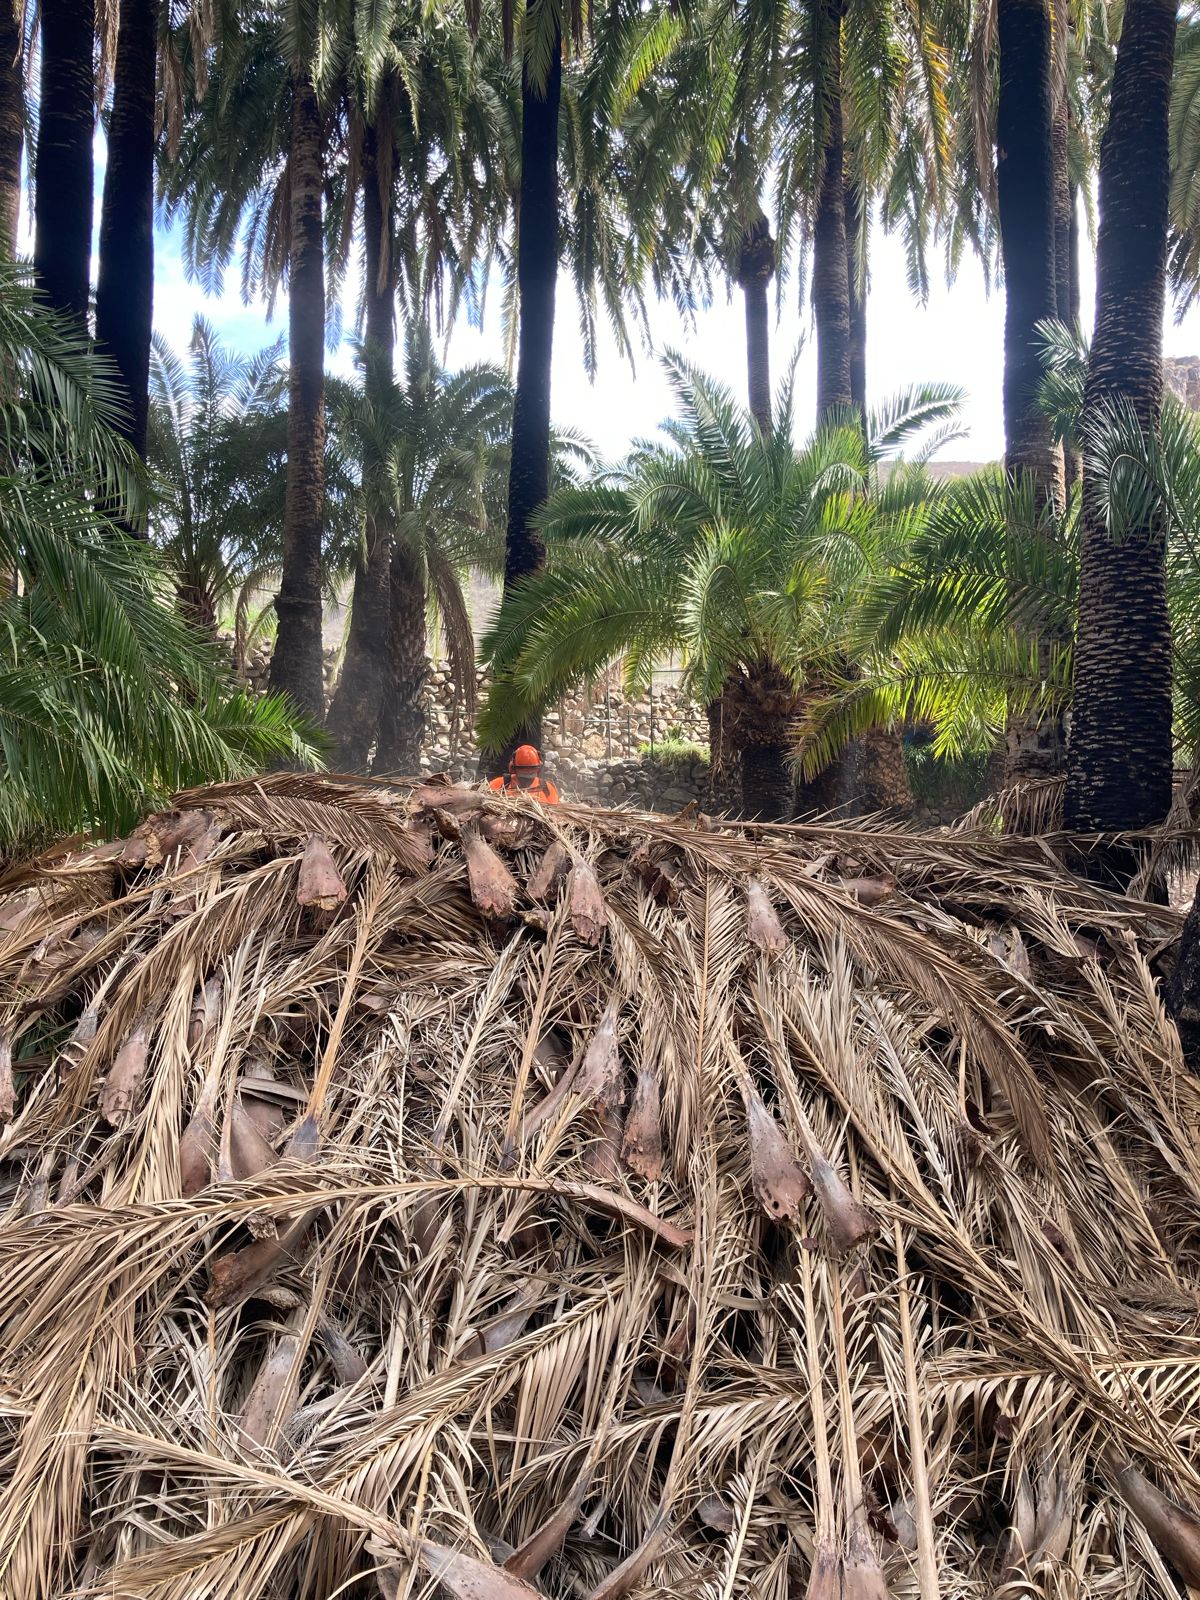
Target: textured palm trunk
column 756, row 268
column 1072, row 461
column 12, row 124
column 62, row 252
column 1119, row 769
column 856, row 226
column 402, row 719
column 196, row 605
column 767, row 785
column 831, row 281
column 537, row 279
column 354, row 714
column 296, row 665
column 125, row 284
column 1026, row 189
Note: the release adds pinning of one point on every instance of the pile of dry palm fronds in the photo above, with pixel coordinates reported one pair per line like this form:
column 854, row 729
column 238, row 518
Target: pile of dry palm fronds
column 413, row 1188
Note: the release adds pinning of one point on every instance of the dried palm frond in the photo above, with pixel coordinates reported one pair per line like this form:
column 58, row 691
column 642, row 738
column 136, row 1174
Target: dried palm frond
column 772, row 1211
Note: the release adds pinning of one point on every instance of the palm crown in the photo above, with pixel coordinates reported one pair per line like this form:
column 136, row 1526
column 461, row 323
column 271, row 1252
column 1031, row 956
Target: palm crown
column 725, row 545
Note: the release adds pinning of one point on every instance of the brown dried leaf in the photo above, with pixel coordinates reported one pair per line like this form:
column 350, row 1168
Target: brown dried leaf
column 869, row 891
column 206, row 1011
column 15, row 910
column 862, row 1575
column 528, row 1559
column 244, row 1151
column 348, row 1366
column 160, row 836
column 8, row 1093
column 602, row 1158
column 125, row 1075
column 469, row 1578
column 616, row 1205
column 493, row 887
column 272, row 1395
column 321, row 884
column 262, row 1096
column 1173, row 1528
column 197, row 1144
column 589, row 915
column 763, row 927
column 825, row 1578
column 601, row 1074
column 642, row 1147
column 775, row 1174
column 550, row 870
column 848, row 1222
column 243, row 1272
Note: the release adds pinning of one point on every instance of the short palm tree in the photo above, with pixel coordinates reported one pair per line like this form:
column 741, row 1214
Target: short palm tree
column 217, row 446
column 948, row 634
column 727, row 546
column 108, row 700
column 436, row 444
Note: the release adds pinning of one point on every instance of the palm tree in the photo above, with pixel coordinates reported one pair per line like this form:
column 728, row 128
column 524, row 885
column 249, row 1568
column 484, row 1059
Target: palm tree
column 108, row 701
column 297, row 665
column 428, row 141
column 251, row 172
column 725, row 545
column 1119, row 761
column 537, row 277
column 437, row 474
column 218, row 448
column 66, row 123
column 125, row 283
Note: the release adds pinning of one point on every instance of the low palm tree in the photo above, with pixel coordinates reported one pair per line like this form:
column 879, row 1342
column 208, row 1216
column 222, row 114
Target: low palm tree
column 724, row 545
column 951, row 633
column 217, row 445
column 108, row 700
column 436, row 445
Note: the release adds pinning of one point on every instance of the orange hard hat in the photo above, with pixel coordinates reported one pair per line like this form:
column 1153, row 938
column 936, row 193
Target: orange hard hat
column 526, row 756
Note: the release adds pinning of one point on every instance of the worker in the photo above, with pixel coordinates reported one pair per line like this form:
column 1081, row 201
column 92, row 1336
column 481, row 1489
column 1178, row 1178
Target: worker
column 525, row 777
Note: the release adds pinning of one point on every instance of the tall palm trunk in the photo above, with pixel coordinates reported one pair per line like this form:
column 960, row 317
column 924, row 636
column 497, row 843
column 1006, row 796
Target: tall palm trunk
column 296, row 665
column 125, row 283
column 1119, row 769
column 354, row 715
column 537, row 277
column 1062, row 176
column 1026, row 191
column 402, row 717
column 12, row 124
column 756, row 268
column 62, row 251
column 831, row 281
column 856, row 226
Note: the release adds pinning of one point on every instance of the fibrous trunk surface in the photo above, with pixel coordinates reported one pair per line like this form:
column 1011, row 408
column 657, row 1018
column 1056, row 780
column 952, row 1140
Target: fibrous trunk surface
column 744, row 1210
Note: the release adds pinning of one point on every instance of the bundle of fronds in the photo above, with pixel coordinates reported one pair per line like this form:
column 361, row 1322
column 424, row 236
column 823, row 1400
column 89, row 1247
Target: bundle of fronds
column 414, row 1191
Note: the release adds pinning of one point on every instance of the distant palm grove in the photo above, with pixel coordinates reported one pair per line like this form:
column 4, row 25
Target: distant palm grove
column 825, row 594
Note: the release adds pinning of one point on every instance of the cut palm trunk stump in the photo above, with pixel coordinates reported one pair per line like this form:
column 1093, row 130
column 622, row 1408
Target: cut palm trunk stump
column 414, row 1189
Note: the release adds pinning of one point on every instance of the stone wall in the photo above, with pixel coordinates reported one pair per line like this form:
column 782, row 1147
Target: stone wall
column 592, row 741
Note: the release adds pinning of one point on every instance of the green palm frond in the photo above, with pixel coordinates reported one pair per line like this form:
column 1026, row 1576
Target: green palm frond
column 108, row 700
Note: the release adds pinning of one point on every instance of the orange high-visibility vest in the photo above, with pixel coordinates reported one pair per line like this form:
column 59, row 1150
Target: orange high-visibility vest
column 540, row 789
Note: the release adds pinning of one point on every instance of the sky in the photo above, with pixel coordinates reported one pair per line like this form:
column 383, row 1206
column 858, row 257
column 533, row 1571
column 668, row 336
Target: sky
column 957, row 337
